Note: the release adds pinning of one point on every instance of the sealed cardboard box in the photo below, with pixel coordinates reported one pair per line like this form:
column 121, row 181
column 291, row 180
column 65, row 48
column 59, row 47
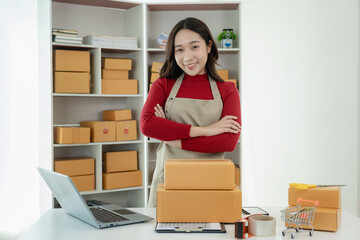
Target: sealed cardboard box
column 71, row 82
column 71, row 61
column 101, row 131
column 195, row 174
column 122, row 179
column 116, row 63
column 329, row 197
column 120, row 161
column 198, row 205
column 156, row 67
column 68, row 135
column 119, row 86
column 326, row 219
column 126, row 130
column 115, row 74
column 75, row 166
column 223, row 73
column 237, row 176
column 84, row 183
column 154, row 76
column 117, row 115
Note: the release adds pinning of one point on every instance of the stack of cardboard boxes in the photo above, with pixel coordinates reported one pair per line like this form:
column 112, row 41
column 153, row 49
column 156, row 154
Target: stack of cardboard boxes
column 328, row 214
column 224, row 74
column 155, row 72
column 198, row 191
column 115, row 77
column 71, row 71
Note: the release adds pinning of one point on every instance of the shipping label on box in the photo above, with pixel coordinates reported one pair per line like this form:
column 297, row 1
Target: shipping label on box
column 154, row 76
column 156, row 67
column 120, row 161
column 122, row 179
column 71, row 61
column 223, row 73
column 199, row 174
column 115, row 74
column 69, row 135
column 328, row 197
column 198, row 205
column 71, row 82
column 101, row 131
column 75, row 166
column 126, row 130
column 116, row 63
column 117, row 115
column 119, row 86
column 84, row 183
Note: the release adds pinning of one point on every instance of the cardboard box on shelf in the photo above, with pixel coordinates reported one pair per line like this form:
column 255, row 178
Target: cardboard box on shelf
column 122, row 179
column 71, row 82
column 329, row 197
column 115, row 74
column 120, row 161
column 126, row 130
column 84, row 183
column 75, row 166
column 116, row 63
column 71, row 61
column 194, row 174
column 326, row 219
column 69, row 135
column 156, row 67
column 101, row 131
column 117, row 115
column 223, row 73
column 154, row 76
column 119, row 86
column 231, row 80
column 198, row 205
column 237, row 176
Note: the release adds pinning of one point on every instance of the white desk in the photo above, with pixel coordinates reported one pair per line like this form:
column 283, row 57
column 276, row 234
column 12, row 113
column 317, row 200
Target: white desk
column 56, row 224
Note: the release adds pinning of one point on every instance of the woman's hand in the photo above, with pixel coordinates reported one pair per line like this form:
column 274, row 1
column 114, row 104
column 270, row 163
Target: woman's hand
column 226, row 124
column 159, row 112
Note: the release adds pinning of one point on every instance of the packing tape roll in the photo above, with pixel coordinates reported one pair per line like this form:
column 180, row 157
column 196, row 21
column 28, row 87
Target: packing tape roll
column 262, row 225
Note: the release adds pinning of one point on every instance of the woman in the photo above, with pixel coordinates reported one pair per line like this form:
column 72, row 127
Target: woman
column 190, row 108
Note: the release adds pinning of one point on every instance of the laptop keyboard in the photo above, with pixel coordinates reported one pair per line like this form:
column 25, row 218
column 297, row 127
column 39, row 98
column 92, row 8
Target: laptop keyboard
column 105, row 216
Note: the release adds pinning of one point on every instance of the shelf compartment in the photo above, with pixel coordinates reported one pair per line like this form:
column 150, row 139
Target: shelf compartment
column 98, row 95
column 98, row 143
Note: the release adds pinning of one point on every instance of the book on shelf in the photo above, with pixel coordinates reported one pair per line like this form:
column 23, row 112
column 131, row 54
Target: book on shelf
column 57, row 37
column 110, row 41
column 66, row 31
column 64, row 34
column 67, row 41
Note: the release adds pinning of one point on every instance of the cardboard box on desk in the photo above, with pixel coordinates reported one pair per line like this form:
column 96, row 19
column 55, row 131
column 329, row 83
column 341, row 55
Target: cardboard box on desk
column 75, row 166
column 84, row 183
column 329, row 197
column 156, row 67
column 115, row 74
column 126, row 130
column 199, row 174
column 71, row 61
column 71, row 82
column 119, row 86
column 116, row 63
column 198, row 205
column 120, row 161
column 69, row 135
column 117, row 115
column 101, row 131
column 122, row 179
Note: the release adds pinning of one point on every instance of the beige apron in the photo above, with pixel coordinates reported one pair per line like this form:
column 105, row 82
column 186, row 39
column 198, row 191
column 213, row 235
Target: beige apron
column 196, row 112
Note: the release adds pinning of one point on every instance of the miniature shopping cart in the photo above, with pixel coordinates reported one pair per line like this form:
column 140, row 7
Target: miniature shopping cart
column 296, row 217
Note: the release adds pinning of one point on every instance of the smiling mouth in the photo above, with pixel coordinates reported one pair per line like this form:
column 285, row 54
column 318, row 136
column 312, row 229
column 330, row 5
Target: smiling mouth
column 191, row 66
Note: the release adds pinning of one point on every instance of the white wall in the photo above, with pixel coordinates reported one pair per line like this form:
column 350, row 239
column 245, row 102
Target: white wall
column 299, row 97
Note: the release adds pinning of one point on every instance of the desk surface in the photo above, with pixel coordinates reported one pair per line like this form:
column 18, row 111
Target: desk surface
column 56, row 224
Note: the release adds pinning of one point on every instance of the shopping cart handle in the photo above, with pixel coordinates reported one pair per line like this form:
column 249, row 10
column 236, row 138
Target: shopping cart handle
column 304, row 200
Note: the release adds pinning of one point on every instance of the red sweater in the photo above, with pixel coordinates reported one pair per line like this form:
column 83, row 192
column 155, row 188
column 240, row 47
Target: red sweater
column 167, row 130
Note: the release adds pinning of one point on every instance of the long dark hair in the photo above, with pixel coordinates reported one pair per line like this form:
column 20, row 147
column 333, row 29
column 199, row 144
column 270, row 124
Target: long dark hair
column 170, row 69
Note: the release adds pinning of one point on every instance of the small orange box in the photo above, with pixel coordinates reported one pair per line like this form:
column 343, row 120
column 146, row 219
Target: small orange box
column 326, row 219
column 68, row 135
column 75, row 166
column 84, row 183
column 71, row 61
column 198, row 205
column 71, row 82
column 156, row 67
column 101, row 131
column 116, row 63
column 195, row 174
column 231, row 80
column 329, row 197
column 122, row 179
column 154, row 76
column 223, row 73
column 237, row 176
column 126, row 130
column 120, row 161
column 117, row 115
column 115, row 74
column 119, row 86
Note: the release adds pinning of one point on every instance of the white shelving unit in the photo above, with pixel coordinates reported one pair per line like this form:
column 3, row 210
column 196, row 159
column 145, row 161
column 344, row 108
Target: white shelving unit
column 143, row 21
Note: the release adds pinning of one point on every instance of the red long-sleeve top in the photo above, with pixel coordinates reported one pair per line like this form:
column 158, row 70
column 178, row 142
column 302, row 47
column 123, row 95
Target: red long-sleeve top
column 195, row 87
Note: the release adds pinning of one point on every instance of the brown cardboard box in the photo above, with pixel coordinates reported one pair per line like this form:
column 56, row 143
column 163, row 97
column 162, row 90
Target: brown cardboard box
column 119, row 86
column 223, row 73
column 75, row 166
column 154, row 76
column 329, row 197
column 199, row 174
column 67, row 135
column 71, row 82
column 122, row 179
column 116, row 63
column 101, row 131
column 117, row 115
column 126, row 130
column 198, row 205
column 326, row 219
column 156, row 67
column 237, row 176
column 115, row 74
column 71, row 61
column 231, row 80
column 84, row 183
column 120, row 161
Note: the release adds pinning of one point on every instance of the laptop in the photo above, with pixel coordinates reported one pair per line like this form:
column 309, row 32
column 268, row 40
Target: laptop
column 72, row 202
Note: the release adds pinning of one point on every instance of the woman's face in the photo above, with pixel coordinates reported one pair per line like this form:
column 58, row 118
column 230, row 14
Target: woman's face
column 191, row 52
